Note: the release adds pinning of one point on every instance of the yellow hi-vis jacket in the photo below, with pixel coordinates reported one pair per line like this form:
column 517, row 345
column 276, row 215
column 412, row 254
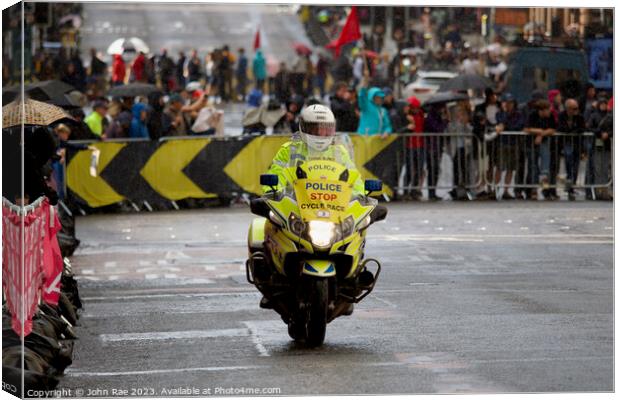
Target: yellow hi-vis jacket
column 282, row 162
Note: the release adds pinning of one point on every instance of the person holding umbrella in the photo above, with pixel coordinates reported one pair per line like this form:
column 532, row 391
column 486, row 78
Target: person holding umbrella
column 39, row 147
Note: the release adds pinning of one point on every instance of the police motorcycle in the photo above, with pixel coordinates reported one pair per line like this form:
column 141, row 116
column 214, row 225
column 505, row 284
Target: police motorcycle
column 306, row 251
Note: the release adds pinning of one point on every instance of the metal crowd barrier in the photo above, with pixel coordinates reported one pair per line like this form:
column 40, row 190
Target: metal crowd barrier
column 439, row 161
column 554, row 163
column 509, row 160
column 442, row 162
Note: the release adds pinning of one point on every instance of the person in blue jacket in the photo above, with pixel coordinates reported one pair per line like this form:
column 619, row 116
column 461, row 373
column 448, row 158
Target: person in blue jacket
column 374, row 118
column 138, row 128
column 259, row 69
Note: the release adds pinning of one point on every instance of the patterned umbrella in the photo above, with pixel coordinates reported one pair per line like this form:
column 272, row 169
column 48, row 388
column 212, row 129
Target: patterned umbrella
column 36, row 113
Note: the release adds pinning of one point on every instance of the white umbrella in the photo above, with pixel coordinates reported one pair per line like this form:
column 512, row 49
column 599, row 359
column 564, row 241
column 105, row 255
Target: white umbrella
column 119, row 46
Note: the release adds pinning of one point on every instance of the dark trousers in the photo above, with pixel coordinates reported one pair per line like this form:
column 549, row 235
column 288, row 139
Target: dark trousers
column 459, row 168
column 433, row 158
column 260, row 85
column 571, row 159
column 554, row 163
column 520, row 173
column 242, row 82
column 414, row 161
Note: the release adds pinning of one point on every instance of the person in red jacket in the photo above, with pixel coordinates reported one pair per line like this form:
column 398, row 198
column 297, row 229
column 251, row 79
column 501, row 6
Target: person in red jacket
column 555, row 99
column 415, row 155
column 138, row 67
column 118, row 70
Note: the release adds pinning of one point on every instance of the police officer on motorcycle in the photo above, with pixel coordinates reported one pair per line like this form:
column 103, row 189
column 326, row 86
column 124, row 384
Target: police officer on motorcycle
column 316, row 136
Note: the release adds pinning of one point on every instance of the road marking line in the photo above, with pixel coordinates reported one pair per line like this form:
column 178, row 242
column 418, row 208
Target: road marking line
column 388, row 303
column 176, row 254
column 542, row 359
column 153, row 336
column 90, row 278
column 162, row 371
column 157, row 269
column 252, row 293
column 109, row 264
column 479, row 236
column 262, row 351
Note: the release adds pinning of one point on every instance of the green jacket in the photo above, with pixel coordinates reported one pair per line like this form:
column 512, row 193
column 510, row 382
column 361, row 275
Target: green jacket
column 282, row 160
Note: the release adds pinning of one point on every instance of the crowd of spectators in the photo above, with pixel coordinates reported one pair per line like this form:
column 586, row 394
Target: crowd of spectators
column 362, row 87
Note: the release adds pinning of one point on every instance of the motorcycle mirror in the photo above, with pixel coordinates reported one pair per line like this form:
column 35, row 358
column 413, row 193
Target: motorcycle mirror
column 259, row 207
column 378, row 213
column 373, row 185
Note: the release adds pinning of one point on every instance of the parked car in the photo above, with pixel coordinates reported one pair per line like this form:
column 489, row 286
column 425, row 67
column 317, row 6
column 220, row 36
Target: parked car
column 426, row 84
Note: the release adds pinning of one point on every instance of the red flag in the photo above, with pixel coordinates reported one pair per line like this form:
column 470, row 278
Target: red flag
column 257, row 40
column 350, row 32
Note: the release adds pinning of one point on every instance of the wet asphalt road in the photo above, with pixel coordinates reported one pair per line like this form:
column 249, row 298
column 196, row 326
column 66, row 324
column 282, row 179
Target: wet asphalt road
column 473, row 298
column 182, row 27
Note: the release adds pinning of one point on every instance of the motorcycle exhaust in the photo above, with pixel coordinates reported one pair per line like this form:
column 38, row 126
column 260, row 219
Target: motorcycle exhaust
column 256, row 268
column 365, row 281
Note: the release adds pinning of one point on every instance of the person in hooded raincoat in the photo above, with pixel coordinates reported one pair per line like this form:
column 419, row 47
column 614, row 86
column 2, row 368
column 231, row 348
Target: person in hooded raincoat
column 374, row 118
column 138, row 122
column 259, row 69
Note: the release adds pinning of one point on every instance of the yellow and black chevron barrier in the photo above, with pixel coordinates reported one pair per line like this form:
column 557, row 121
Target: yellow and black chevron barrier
column 200, row 167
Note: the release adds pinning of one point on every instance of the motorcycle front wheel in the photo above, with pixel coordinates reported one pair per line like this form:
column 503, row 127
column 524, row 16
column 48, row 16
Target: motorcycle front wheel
column 317, row 315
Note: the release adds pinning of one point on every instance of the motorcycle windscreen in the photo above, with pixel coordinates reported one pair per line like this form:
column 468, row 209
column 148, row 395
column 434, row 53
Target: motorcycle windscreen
column 321, row 195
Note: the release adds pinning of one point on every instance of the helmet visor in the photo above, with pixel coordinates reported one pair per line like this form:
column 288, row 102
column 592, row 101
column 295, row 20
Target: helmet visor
column 319, row 128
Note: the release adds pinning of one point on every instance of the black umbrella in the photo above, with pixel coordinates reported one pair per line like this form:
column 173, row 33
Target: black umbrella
column 445, row 97
column 465, row 82
column 51, row 92
column 133, row 90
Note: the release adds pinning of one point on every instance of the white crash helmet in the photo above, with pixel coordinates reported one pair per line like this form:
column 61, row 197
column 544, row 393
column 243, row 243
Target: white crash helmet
column 317, row 127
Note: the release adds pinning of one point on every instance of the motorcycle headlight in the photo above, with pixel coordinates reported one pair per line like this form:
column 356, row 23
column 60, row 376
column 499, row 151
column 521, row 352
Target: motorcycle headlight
column 297, row 225
column 321, row 233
